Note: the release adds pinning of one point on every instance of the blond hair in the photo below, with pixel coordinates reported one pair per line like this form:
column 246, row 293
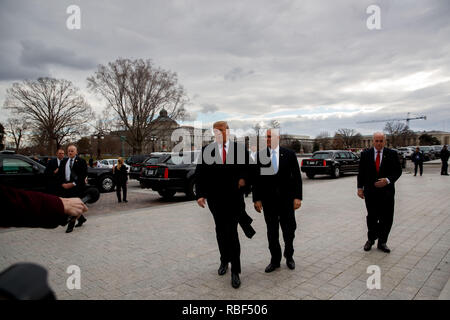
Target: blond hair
column 119, row 163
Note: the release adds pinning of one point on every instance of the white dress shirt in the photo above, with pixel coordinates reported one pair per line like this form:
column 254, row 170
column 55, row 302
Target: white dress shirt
column 68, row 170
column 381, row 159
column 227, row 146
column 277, row 150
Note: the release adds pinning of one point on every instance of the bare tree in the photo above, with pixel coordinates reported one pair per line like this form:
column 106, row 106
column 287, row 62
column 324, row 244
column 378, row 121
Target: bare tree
column 137, row 90
column 350, row 137
column 52, row 106
column 2, row 136
column 398, row 133
column 323, row 140
column 16, row 129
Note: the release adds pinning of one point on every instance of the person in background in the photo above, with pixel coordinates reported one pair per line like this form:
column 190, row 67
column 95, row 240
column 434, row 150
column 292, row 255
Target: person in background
column 72, row 175
column 418, row 158
column 444, row 158
column 91, row 162
column 51, row 172
column 121, row 177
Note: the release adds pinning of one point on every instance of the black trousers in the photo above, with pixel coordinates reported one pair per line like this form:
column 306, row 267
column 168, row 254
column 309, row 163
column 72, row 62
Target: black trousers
column 380, row 214
column 420, row 165
column 226, row 215
column 444, row 167
column 280, row 213
column 122, row 186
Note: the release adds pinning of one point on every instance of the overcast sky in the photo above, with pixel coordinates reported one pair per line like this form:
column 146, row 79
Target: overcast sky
column 311, row 65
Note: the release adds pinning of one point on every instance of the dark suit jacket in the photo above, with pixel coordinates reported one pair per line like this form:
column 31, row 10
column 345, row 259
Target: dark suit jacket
column 420, row 159
column 286, row 183
column 78, row 174
column 52, row 183
column 390, row 168
column 219, row 181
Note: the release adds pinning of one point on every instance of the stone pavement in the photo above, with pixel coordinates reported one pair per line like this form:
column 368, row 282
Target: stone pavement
column 170, row 251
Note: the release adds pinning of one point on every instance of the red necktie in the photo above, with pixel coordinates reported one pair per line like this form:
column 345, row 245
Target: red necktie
column 224, row 154
column 377, row 162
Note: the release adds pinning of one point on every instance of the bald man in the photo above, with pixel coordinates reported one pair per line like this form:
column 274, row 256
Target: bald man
column 72, row 173
column 379, row 169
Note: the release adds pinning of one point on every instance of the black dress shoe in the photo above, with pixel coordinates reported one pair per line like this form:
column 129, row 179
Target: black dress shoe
column 70, row 226
column 383, row 247
column 125, row 201
column 271, row 267
column 235, row 281
column 222, row 269
column 290, row 263
column 81, row 220
column 368, row 245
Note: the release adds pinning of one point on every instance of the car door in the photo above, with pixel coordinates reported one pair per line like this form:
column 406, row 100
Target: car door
column 343, row 160
column 21, row 174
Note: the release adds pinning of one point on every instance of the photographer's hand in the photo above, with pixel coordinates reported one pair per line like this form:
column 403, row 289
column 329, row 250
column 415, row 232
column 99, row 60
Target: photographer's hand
column 73, row 206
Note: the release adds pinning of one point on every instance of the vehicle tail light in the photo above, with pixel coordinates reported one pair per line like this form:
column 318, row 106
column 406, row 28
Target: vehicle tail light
column 151, row 167
column 166, row 173
column 324, row 163
column 302, row 162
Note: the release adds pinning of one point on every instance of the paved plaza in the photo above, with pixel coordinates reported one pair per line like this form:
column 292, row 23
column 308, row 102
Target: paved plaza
column 169, row 251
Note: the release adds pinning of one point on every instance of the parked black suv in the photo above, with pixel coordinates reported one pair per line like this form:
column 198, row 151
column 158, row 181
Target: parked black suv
column 171, row 175
column 331, row 162
column 24, row 173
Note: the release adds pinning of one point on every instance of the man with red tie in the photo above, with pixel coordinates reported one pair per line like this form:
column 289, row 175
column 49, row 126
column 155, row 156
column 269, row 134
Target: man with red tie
column 379, row 169
column 221, row 176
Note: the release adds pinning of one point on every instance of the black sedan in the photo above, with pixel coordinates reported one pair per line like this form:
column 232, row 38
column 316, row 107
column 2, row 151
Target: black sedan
column 330, row 162
column 174, row 173
column 24, row 173
column 154, row 158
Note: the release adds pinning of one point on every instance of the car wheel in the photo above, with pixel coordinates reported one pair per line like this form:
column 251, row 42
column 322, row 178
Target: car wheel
column 107, row 183
column 167, row 194
column 310, row 175
column 336, row 172
column 191, row 190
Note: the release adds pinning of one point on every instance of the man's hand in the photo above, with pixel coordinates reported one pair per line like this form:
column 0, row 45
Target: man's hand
column 201, row 202
column 258, row 206
column 241, row 183
column 56, row 171
column 381, row 183
column 361, row 193
column 73, row 206
column 69, row 185
column 297, row 203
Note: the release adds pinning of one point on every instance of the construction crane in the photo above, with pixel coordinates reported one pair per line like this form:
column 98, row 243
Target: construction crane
column 407, row 119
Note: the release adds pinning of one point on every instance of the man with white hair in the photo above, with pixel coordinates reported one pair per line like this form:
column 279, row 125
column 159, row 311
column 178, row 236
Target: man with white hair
column 379, row 169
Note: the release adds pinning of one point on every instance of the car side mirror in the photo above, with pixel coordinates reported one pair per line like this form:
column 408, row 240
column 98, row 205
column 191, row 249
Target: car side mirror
column 35, row 169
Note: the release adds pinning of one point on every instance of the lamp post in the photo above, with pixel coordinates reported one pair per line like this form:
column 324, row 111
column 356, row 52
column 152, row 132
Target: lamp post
column 122, row 140
column 100, row 136
column 153, row 139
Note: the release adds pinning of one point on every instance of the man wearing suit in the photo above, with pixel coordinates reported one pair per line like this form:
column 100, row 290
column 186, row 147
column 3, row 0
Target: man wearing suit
column 418, row 158
column 444, row 159
column 221, row 176
column 72, row 175
column 51, row 172
column 379, row 169
column 278, row 192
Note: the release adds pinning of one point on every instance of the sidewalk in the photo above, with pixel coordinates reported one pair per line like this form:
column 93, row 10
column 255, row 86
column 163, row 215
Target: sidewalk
column 170, row 252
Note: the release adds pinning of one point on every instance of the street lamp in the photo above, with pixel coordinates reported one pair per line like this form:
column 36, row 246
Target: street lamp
column 153, row 139
column 122, row 140
column 99, row 136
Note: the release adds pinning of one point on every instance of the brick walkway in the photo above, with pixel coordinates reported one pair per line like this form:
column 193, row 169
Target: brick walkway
column 170, row 251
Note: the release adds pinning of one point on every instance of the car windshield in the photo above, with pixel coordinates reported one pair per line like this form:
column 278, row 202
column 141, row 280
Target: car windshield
column 322, row 155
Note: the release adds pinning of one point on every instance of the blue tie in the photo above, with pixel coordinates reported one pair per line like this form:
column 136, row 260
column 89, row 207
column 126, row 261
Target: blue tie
column 274, row 161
